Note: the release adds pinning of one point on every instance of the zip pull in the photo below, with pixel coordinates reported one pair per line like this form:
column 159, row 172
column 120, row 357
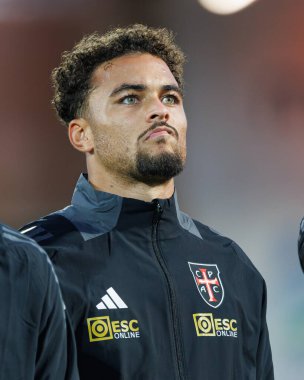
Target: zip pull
column 158, row 211
column 158, row 207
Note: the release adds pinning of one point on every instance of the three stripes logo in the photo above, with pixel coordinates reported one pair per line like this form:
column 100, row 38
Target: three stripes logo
column 111, row 301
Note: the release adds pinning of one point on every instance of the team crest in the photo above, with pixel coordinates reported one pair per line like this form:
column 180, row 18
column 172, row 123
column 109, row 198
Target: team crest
column 208, row 283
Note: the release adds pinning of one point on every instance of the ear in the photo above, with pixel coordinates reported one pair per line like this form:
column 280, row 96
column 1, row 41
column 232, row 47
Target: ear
column 80, row 135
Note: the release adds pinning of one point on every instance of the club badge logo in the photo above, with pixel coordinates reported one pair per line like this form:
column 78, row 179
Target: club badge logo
column 208, row 283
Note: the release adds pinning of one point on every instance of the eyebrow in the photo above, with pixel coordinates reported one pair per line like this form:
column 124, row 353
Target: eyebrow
column 128, row 86
column 142, row 87
column 173, row 87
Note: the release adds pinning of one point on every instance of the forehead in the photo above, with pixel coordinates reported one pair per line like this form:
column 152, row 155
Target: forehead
column 134, row 68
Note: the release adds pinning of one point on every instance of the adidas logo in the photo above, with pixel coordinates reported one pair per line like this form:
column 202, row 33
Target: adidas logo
column 111, row 301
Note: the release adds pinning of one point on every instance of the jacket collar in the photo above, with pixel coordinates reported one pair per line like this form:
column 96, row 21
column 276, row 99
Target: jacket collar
column 86, row 197
column 96, row 212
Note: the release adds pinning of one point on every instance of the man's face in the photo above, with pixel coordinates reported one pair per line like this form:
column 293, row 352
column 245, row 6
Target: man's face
column 137, row 118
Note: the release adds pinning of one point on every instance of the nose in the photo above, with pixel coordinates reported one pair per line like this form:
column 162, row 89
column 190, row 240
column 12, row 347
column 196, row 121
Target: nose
column 157, row 112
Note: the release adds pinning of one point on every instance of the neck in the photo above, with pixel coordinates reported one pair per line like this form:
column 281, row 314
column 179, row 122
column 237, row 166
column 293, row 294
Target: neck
column 102, row 180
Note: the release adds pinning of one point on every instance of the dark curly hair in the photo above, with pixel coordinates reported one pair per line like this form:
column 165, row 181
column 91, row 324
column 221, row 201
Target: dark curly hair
column 71, row 79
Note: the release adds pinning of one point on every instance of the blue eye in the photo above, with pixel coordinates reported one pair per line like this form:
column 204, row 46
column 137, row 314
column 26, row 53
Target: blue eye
column 170, row 99
column 129, row 100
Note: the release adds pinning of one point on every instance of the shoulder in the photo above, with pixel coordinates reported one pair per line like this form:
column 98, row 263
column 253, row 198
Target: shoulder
column 25, row 264
column 20, row 248
column 10, row 238
column 66, row 228
column 228, row 247
column 50, row 230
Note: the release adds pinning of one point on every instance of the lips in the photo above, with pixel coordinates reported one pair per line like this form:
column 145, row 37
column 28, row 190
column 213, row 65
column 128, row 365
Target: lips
column 160, row 131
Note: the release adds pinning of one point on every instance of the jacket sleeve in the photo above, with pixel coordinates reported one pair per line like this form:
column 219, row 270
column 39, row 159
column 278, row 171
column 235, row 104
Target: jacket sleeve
column 56, row 352
column 264, row 366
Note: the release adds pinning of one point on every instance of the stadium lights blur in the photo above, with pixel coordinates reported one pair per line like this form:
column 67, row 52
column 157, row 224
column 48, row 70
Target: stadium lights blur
column 225, row 7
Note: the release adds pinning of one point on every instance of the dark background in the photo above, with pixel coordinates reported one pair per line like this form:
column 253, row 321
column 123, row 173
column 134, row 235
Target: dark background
column 245, row 108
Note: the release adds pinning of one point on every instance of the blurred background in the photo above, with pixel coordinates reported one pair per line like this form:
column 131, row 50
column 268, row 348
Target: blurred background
column 245, row 107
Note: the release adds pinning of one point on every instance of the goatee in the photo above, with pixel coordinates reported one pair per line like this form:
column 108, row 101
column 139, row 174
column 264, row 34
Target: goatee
column 155, row 170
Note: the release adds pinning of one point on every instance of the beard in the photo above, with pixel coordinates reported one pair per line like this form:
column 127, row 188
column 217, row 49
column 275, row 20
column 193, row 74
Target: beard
column 150, row 169
column 155, row 170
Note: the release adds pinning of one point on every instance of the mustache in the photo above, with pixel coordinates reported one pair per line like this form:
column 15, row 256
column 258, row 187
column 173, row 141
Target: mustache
column 156, row 125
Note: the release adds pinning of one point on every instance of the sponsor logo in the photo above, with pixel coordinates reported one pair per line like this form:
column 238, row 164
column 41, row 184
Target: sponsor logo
column 102, row 328
column 208, row 283
column 111, row 301
column 206, row 325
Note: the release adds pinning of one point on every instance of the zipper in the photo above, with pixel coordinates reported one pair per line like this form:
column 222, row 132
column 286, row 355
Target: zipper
column 172, row 297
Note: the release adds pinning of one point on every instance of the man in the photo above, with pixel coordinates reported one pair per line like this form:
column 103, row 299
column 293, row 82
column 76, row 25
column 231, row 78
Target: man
column 34, row 341
column 301, row 244
column 152, row 294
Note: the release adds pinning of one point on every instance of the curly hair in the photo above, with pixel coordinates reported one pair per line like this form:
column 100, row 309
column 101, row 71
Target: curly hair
column 72, row 79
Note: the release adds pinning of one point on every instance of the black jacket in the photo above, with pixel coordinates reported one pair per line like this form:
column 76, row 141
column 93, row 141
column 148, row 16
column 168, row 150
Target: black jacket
column 154, row 295
column 34, row 341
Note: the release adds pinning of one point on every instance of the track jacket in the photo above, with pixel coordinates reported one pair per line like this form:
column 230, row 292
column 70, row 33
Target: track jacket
column 34, row 341
column 153, row 294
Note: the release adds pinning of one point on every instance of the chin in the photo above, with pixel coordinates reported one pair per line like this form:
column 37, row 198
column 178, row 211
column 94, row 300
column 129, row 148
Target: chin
column 163, row 147
column 158, row 168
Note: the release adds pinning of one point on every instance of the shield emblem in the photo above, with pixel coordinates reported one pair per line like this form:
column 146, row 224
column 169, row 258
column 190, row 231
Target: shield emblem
column 208, row 283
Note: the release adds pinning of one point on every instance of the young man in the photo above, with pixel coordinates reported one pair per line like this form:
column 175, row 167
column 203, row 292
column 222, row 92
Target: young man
column 34, row 340
column 152, row 294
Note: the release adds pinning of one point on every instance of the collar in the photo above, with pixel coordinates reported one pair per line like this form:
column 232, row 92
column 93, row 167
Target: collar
column 95, row 212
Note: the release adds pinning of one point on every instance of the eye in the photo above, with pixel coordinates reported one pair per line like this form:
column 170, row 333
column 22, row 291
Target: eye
column 129, row 99
column 170, row 99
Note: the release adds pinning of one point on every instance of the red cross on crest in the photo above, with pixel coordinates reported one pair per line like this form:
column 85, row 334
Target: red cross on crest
column 208, row 283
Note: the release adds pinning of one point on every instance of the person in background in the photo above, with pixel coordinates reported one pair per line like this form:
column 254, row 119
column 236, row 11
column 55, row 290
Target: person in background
column 35, row 342
column 151, row 292
column 301, row 244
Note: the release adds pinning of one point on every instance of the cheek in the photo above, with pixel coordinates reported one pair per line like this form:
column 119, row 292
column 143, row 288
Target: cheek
column 123, row 138
column 179, row 118
column 183, row 138
column 183, row 126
